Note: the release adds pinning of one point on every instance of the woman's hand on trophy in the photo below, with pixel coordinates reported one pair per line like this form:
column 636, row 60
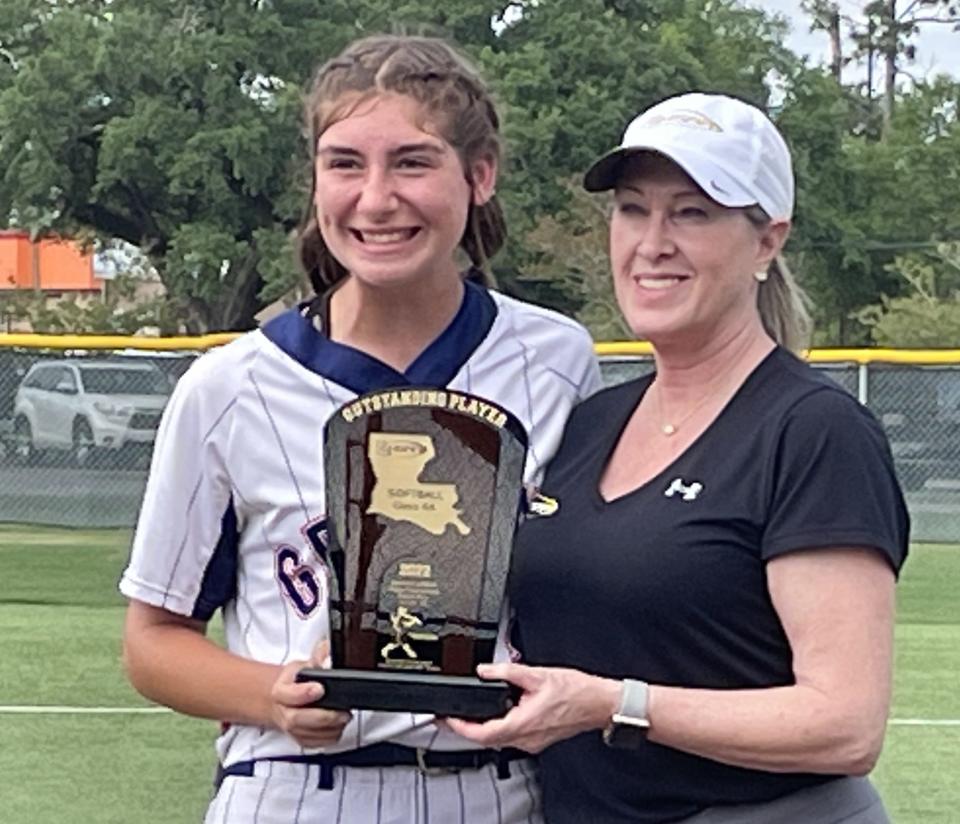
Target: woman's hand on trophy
column 309, row 726
column 556, row 704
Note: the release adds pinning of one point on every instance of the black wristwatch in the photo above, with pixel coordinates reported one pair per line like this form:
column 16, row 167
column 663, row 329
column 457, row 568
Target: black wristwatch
column 628, row 727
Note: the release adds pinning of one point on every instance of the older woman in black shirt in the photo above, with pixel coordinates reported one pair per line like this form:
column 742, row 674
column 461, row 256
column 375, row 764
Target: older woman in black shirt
column 706, row 618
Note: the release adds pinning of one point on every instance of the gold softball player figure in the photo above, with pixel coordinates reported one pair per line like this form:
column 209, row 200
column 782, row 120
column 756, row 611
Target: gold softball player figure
column 402, row 621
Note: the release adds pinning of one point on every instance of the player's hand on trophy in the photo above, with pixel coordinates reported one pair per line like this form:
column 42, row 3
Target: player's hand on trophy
column 309, row 726
column 556, row 704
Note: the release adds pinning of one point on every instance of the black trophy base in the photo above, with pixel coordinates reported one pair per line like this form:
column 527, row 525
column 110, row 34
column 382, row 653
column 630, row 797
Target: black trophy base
column 453, row 696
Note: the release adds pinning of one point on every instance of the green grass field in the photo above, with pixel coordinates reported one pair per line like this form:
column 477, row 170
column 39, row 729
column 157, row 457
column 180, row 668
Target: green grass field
column 60, row 624
column 60, row 621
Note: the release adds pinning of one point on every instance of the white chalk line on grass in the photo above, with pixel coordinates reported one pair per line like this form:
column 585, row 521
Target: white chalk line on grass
column 23, row 709
column 924, row 722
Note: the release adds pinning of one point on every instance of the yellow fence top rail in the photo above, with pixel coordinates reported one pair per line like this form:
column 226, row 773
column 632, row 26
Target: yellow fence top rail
column 173, row 344
column 928, row 357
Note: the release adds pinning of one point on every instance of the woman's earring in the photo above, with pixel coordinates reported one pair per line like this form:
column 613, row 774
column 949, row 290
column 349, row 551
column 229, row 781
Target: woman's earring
column 761, row 275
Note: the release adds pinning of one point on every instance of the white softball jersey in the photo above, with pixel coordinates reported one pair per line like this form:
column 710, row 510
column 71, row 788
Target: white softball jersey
column 233, row 516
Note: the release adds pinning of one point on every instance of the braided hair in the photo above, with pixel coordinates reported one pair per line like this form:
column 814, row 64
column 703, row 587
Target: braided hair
column 453, row 98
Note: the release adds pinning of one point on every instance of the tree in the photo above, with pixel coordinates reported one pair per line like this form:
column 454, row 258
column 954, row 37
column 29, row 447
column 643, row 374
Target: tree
column 827, row 246
column 929, row 317
column 174, row 125
column 120, row 312
column 915, row 172
column 573, row 72
column 825, row 16
column 890, row 28
column 166, row 145
column 570, row 257
column 883, row 32
column 861, row 202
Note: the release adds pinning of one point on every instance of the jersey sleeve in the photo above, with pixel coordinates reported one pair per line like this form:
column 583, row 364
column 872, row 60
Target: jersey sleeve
column 591, row 381
column 569, row 352
column 832, row 482
column 187, row 529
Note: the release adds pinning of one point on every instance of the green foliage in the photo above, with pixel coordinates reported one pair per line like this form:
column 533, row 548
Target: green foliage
column 573, row 72
column 928, row 317
column 909, row 180
column 174, row 125
column 142, row 120
column 826, row 246
column 570, row 74
column 860, row 201
column 569, row 256
column 914, row 321
column 118, row 311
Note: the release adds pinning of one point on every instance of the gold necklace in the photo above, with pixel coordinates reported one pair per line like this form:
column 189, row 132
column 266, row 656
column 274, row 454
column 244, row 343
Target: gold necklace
column 669, row 429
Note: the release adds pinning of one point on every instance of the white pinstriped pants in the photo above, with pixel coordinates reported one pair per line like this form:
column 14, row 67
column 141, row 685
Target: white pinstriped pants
column 284, row 793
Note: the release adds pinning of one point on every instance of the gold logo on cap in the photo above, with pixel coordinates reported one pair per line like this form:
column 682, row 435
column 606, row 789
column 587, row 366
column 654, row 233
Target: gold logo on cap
column 686, row 117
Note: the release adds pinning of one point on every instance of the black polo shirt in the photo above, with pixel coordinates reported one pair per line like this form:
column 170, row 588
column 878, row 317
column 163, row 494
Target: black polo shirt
column 667, row 583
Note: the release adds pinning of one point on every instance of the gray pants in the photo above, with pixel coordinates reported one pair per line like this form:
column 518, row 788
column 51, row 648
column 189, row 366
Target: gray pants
column 842, row 801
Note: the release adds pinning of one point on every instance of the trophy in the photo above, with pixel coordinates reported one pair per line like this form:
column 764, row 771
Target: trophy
column 423, row 491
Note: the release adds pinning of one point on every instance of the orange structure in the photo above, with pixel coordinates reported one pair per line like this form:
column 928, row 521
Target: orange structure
column 50, row 265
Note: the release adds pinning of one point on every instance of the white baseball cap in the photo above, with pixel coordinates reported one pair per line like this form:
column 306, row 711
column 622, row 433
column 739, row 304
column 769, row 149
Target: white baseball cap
column 730, row 149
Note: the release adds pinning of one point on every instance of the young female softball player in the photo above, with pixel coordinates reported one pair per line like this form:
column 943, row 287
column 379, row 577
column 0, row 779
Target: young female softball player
column 406, row 147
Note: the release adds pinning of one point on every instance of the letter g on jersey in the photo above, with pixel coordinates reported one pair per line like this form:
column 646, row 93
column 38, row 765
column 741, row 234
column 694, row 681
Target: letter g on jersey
column 298, row 582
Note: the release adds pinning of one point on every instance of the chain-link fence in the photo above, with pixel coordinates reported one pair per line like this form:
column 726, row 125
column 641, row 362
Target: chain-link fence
column 77, row 427
column 76, row 432
column 919, row 406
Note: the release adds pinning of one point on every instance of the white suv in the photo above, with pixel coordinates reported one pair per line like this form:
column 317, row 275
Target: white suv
column 87, row 407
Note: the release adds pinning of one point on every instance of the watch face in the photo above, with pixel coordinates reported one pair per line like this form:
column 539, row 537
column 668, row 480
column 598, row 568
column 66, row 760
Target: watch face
column 625, row 736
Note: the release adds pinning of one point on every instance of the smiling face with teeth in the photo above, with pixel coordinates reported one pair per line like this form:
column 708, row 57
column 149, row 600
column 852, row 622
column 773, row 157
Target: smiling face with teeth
column 682, row 264
column 392, row 195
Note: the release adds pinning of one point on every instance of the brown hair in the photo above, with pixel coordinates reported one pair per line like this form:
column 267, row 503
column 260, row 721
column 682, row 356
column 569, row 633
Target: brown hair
column 782, row 303
column 452, row 95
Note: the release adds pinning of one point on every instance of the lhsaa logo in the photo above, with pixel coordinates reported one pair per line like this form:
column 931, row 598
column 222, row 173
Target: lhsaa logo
column 688, row 492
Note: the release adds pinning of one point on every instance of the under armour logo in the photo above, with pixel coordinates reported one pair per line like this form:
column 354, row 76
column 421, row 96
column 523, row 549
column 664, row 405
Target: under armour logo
column 689, row 492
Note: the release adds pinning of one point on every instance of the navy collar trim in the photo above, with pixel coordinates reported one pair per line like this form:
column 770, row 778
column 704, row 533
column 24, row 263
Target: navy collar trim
column 437, row 365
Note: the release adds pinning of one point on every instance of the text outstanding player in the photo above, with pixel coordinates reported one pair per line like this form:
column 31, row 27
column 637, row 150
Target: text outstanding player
column 405, row 145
